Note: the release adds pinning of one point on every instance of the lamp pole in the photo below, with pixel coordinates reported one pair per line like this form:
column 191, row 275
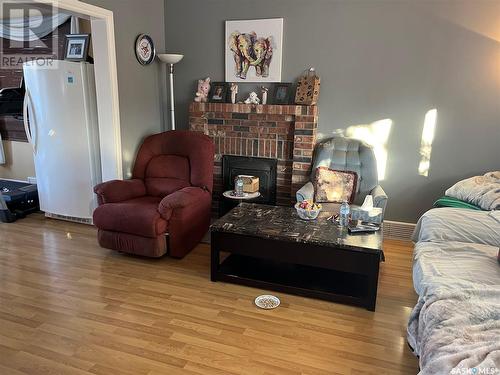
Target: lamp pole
column 171, row 59
column 172, row 110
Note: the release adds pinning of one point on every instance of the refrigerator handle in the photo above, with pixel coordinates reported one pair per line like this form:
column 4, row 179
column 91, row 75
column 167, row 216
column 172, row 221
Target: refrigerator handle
column 27, row 102
column 25, row 117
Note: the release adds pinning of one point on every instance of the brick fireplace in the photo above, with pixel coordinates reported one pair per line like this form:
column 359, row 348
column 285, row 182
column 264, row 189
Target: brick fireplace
column 283, row 132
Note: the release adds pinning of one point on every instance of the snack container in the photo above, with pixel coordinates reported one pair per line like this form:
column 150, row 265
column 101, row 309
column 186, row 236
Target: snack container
column 307, row 214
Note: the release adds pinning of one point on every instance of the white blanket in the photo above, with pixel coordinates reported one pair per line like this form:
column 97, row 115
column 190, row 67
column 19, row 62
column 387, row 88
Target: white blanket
column 482, row 191
column 455, row 326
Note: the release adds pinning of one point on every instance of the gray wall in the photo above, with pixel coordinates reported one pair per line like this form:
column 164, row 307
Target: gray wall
column 377, row 60
column 141, row 88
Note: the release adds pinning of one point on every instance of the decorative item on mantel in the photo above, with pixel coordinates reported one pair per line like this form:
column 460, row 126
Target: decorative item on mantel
column 203, row 90
column 234, row 92
column 218, row 92
column 252, row 98
column 307, row 92
column 264, row 90
column 281, row 93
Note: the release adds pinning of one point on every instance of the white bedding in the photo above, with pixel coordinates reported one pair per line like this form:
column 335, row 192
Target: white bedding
column 458, row 224
column 454, row 264
column 482, row 191
column 455, row 325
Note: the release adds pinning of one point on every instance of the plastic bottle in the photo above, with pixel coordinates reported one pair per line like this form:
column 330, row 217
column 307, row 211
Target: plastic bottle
column 238, row 186
column 345, row 210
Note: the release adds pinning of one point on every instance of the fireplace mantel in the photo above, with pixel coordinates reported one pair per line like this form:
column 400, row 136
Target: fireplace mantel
column 272, row 109
column 283, row 132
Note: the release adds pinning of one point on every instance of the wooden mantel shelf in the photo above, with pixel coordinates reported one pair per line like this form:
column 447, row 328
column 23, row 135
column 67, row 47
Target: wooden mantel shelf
column 271, row 109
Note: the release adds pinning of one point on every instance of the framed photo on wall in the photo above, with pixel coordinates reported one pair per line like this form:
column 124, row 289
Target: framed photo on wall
column 281, row 93
column 254, row 50
column 218, row 92
column 77, row 47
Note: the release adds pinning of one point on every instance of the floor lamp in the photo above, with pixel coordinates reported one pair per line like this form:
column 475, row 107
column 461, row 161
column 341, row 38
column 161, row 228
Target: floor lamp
column 171, row 59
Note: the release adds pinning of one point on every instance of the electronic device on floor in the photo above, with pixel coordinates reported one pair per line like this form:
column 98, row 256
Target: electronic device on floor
column 17, row 199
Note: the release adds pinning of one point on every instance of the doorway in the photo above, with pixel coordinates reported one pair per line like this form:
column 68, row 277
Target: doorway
column 106, row 80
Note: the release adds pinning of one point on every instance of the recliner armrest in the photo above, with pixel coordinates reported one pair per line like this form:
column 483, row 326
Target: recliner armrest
column 180, row 199
column 119, row 190
column 379, row 197
column 306, row 192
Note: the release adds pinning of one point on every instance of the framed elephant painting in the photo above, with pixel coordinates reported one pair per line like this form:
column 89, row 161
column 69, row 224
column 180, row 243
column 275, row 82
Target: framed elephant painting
column 254, row 50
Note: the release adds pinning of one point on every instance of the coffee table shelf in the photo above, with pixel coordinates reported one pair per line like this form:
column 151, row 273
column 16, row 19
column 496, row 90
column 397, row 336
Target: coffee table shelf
column 295, row 279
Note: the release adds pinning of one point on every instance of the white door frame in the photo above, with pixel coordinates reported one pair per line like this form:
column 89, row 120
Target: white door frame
column 106, row 77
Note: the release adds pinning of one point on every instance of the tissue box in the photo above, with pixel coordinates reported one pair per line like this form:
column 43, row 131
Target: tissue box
column 250, row 183
column 373, row 215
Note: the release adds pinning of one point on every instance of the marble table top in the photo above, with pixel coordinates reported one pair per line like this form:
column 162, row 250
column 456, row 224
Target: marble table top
column 283, row 223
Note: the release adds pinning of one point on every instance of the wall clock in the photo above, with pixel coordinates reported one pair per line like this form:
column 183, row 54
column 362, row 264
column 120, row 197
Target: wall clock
column 144, row 49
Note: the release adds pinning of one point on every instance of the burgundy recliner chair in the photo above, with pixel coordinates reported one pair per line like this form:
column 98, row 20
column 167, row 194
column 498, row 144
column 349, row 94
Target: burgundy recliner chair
column 170, row 192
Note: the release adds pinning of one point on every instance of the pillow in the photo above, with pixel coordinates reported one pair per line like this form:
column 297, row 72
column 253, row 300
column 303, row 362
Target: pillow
column 334, row 186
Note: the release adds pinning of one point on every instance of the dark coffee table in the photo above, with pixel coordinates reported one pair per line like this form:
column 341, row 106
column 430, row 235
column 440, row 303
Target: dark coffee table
column 270, row 247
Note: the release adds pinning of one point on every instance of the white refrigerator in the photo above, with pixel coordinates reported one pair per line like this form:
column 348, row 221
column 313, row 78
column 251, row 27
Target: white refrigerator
column 60, row 120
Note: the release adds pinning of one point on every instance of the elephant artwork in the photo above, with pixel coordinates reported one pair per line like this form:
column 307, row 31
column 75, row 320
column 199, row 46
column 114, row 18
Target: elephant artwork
column 251, row 51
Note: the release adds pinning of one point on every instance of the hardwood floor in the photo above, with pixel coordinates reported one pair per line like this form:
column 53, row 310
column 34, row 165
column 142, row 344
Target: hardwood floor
column 69, row 307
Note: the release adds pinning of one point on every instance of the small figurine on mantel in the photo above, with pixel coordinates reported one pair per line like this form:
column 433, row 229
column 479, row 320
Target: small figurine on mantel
column 234, row 91
column 203, row 90
column 252, row 98
column 264, row 94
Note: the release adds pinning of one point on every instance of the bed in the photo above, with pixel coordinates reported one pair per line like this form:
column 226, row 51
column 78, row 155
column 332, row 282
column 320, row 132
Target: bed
column 455, row 326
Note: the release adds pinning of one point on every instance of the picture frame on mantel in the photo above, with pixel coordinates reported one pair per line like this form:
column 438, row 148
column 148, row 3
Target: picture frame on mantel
column 254, row 50
column 218, row 92
column 281, row 93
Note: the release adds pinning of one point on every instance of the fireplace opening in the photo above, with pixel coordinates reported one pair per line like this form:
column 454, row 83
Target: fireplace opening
column 263, row 168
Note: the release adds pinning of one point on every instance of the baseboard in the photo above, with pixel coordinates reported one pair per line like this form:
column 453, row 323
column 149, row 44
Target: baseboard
column 398, row 230
column 69, row 218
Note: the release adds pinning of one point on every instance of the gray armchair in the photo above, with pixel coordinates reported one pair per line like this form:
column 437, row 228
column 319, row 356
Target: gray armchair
column 347, row 154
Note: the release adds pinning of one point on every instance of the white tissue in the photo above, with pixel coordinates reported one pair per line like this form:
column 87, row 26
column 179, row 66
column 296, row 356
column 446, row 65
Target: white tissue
column 367, row 204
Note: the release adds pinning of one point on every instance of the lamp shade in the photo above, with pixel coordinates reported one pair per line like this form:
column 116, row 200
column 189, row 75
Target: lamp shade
column 170, row 58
